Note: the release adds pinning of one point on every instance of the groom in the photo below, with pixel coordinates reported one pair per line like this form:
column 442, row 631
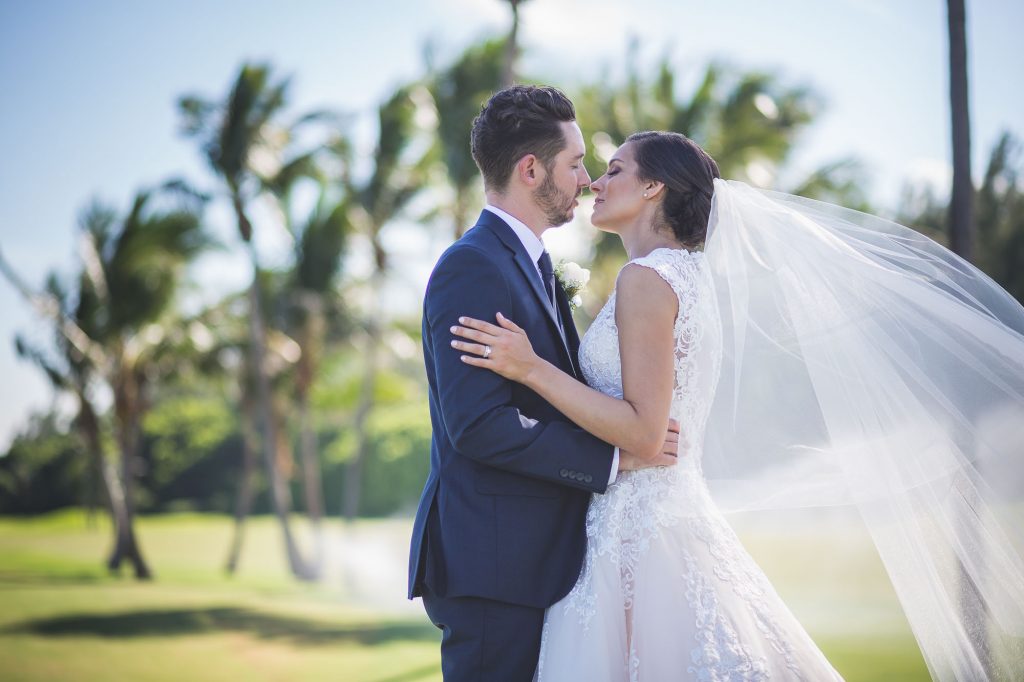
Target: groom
column 499, row 533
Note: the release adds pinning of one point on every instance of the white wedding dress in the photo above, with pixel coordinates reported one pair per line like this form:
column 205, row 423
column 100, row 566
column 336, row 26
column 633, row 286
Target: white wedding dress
column 667, row 592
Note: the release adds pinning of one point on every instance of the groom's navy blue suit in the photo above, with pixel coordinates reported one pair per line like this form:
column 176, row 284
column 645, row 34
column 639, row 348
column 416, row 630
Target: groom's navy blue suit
column 499, row 533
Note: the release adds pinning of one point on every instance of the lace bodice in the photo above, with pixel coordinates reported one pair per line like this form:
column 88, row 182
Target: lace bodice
column 622, row 522
column 697, row 342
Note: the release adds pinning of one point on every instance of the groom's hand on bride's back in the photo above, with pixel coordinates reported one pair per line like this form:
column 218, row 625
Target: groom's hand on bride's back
column 666, row 458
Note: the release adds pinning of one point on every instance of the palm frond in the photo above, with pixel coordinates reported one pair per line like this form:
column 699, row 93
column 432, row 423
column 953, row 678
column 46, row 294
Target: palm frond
column 301, row 166
column 459, row 91
column 838, row 182
column 319, row 250
column 58, row 377
column 196, row 114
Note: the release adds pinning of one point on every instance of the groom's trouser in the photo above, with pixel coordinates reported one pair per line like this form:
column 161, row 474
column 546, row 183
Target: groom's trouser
column 485, row 640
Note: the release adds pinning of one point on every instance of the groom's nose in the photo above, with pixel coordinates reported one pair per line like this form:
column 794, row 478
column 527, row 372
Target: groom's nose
column 584, row 179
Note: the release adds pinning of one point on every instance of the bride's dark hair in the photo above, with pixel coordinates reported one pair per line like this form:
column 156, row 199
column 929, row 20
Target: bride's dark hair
column 688, row 173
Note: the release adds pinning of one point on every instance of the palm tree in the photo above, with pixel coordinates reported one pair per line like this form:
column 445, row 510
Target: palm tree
column 318, row 258
column 1000, row 216
column 399, row 171
column 458, row 92
column 961, row 212
column 129, row 288
column 243, row 140
column 113, row 332
column 508, row 75
column 999, row 249
column 218, row 354
column 748, row 121
column 73, row 372
column 306, row 306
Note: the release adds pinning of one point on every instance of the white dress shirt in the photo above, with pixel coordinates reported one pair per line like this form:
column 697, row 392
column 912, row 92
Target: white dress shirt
column 531, row 242
column 534, row 248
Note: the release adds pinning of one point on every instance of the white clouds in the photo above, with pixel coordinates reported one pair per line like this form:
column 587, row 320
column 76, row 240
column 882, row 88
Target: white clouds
column 878, row 9
column 489, row 11
column 572, row 24
column 937, row 174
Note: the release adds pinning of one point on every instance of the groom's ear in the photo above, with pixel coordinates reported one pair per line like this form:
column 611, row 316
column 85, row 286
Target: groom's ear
column 529, row 170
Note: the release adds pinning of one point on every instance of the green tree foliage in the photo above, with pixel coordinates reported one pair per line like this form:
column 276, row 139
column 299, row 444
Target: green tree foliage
column 399, row 172
column 748, row 121
column 182, row 431
column 999, row 215
column 458, row 92
column 43, row 470
column 250, row 147
column 113, row 330
column 740, row 118
column 397, row 459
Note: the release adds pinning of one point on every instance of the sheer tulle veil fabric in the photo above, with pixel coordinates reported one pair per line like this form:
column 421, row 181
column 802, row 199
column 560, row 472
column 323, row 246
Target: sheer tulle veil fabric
column 866, row 365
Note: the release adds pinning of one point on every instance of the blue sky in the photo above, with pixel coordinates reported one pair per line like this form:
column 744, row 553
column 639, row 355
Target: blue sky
column 89, row 91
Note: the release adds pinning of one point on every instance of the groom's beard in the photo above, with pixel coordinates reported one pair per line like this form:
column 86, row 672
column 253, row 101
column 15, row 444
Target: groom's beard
column 557, row 205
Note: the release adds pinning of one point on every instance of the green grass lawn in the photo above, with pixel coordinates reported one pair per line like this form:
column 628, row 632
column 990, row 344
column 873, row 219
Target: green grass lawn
column 63, row 618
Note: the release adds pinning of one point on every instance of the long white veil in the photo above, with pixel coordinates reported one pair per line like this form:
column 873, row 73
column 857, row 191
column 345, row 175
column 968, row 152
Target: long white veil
column 866, row 365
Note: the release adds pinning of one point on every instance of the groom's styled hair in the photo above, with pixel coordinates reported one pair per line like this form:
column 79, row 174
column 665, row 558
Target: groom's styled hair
column 516, row 121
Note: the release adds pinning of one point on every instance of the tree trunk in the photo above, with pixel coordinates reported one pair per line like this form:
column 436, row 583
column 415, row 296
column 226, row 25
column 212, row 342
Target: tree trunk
column 961, row 218
column 94, row 493
column 508, row 74
column 312, row 482
column 88, row 426
column 962, row 229
column 243, row 503
column 459, row 211
column 125, row 544
column 370, row 358
column 128, row 417
column 310, row 465
column 279, row 494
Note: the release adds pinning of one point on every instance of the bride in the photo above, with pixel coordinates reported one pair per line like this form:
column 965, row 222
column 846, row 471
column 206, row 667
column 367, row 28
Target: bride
column 812, row 356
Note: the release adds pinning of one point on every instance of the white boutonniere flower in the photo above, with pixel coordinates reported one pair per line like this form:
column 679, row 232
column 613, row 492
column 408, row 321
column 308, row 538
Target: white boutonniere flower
column 573, row 279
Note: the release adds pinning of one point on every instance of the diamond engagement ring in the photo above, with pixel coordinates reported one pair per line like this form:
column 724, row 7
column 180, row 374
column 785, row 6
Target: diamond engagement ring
column 487, row 352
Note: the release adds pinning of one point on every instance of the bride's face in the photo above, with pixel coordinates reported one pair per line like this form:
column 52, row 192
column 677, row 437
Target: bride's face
column 619, row 194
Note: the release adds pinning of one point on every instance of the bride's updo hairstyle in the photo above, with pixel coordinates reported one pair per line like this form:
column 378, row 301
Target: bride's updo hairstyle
column 688, row 173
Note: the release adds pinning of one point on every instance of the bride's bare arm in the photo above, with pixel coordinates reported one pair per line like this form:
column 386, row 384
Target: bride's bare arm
column 645, row 316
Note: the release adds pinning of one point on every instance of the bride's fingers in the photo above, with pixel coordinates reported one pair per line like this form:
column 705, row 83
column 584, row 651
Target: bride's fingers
column 475, row 348
column 480, row 325
column 476, row 362
column 508, row 324
column 664, row 460
column 473, row 335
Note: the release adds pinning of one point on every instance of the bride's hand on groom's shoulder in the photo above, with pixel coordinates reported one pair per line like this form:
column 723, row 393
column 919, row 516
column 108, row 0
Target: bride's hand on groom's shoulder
column 504, row 349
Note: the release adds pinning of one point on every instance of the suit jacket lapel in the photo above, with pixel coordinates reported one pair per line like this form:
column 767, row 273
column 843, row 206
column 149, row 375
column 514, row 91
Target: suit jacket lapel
column 572, row 337
column 529, row 271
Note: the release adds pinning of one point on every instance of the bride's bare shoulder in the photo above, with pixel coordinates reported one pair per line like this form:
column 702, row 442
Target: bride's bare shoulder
column 642, row 293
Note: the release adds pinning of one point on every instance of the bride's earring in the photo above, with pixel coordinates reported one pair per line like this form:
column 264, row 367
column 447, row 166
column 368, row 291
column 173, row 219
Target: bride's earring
column 645, row 195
